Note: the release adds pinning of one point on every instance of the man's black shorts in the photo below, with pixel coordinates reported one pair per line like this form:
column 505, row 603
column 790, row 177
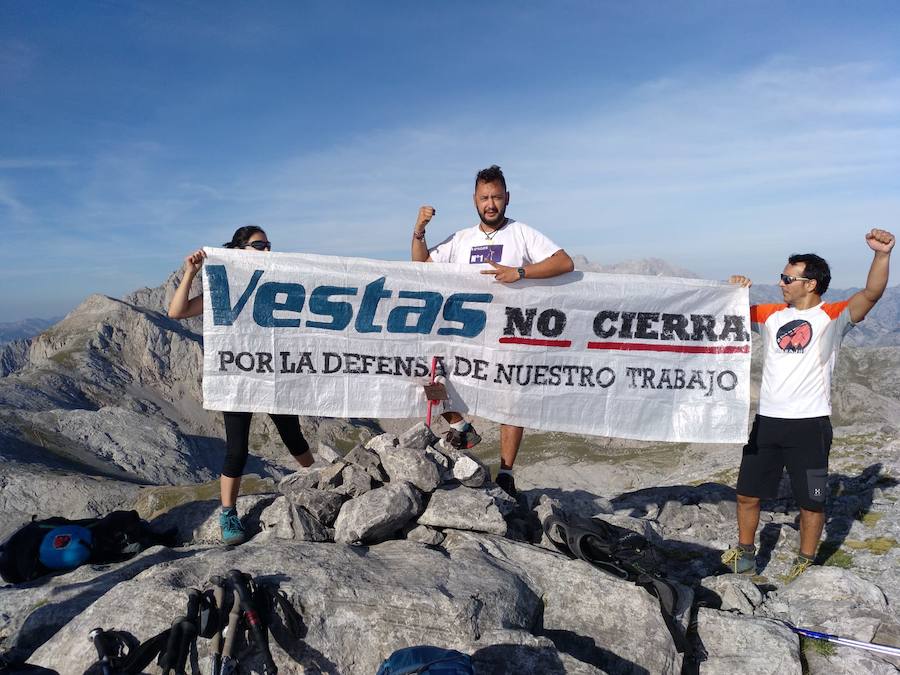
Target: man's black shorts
column 801, row 446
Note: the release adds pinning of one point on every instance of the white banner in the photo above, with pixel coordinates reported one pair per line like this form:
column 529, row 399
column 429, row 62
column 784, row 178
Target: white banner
column 647, row 358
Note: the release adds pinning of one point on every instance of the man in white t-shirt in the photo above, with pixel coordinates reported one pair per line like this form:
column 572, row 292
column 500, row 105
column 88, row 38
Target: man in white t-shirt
column 514, row 251
column 801, row 338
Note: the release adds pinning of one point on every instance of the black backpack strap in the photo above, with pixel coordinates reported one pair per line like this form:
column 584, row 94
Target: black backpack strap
column 667, row 596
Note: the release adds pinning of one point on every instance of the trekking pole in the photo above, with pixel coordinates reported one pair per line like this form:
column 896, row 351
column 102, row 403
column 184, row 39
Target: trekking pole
column 179, row 634
column 251, row 614
column 229, row 665
column 847, row 642
column 189, row 630
column 99, row 637
column 215, row 658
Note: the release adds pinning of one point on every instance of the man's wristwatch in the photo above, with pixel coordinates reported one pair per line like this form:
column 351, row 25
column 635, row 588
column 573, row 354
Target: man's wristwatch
column 521, row 271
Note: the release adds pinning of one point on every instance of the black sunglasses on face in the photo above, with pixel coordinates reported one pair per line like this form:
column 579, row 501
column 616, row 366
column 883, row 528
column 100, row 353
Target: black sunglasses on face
column 260, row 245
column 789, row 280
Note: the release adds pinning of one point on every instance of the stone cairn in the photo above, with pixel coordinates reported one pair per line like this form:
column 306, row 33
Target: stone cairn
column 407, row 487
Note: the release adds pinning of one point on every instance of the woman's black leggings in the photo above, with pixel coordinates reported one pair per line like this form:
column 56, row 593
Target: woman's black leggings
column 237, row 439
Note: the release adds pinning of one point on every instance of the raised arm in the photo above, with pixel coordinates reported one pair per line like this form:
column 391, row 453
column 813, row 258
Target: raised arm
column 181, row 307
column 882, row 242
column 419, row 247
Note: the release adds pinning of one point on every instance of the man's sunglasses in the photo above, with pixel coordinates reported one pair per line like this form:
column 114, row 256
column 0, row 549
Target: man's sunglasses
column 784, row 278
column 267, row 246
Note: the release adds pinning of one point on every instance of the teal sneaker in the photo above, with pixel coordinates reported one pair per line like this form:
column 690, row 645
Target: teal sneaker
column 231, row 527
column 740, row 561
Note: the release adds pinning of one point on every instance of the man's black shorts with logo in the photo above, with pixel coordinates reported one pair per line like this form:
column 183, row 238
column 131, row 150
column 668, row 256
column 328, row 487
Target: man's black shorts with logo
column 799, row 445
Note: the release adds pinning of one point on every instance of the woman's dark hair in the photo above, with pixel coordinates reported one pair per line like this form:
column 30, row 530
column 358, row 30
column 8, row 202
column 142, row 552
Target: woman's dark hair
column 242, row 235
column 814, row 267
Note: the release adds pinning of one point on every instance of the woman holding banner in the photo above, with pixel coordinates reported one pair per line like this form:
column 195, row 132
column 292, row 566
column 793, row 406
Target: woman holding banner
column 237, row 424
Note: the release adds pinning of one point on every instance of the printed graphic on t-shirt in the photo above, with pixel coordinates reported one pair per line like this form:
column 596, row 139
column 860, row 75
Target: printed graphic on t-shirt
column 486, row 253
column 794, row 336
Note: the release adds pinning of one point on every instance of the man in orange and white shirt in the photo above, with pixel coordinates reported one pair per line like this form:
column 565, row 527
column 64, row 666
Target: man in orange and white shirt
column 801, row 338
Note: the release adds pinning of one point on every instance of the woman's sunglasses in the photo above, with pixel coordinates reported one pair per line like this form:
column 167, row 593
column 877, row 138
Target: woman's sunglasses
column 260, row 245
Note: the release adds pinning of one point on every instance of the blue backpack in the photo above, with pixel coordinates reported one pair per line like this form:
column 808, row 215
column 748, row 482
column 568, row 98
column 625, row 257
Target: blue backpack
column 427, row 659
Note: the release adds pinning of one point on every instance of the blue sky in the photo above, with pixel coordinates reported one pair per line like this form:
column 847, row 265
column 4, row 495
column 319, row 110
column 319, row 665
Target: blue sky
column 720, row 136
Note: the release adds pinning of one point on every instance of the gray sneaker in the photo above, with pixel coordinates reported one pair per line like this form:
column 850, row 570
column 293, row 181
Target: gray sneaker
column 740, row 561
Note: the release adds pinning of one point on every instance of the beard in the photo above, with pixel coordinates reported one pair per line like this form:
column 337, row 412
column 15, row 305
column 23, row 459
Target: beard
column 496, row 221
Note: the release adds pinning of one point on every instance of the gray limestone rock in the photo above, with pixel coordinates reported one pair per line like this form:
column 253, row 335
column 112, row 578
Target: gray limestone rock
column 413, row 466
column 469, row 472
column 832, row 600
column 330, row 477
column 368, row 460
column 462, row 508
column 472, row 471
column 840, row 660
column 646, row 528
column 425, row 535
column 737, row 644
column 736, row 592
column 377, row 514
column 380, row 443
column 28, row 490
column 324, row 506
column 327, row 454
column 283, row 520
column 134, row 445
column 417, row 437
column 301, row 479
column 608, row 623
column 359, row 605
column 33, row 613
column 355, row 481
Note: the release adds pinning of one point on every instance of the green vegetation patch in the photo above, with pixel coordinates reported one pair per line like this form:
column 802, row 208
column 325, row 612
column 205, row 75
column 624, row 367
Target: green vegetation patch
column 839, row 558
column 876, row 545
column 870, row 519
column 154, row 501
column 822, row 647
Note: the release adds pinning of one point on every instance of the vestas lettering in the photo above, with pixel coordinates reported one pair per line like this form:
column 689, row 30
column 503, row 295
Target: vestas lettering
column 334, row 314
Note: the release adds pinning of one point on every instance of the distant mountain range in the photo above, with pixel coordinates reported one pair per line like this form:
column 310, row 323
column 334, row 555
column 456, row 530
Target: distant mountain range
column 26, row 328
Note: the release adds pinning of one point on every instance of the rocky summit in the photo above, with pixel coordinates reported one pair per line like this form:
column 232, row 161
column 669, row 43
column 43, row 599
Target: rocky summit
column 392, row 538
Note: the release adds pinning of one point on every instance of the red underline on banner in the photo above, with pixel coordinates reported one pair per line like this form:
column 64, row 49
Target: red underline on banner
column 684, row 349
column 537, row 342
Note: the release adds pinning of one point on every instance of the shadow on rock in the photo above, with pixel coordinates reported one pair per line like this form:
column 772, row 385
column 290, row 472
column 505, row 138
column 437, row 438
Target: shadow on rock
column 851, row 499
column 45, row 621
column 517, row 659
column 586, row 649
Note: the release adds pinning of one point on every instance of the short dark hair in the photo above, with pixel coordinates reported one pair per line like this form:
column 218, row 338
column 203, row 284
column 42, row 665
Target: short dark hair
column 242, row 235
column 492, row 174
column 814, row 267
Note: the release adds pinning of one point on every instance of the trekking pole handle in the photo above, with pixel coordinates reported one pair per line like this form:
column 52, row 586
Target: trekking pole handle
column 234, row 616
column 239, row 580
column 99, row 638
column 219, row 598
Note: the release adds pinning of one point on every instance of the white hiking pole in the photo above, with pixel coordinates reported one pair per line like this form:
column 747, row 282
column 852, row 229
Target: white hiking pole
column 847, row 642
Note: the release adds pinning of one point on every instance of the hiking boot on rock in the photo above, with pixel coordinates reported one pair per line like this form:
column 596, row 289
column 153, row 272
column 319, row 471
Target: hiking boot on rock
column 739, row 560
column 507, row 483
column 231, row 527
column 463, row 440
column 798, row 567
